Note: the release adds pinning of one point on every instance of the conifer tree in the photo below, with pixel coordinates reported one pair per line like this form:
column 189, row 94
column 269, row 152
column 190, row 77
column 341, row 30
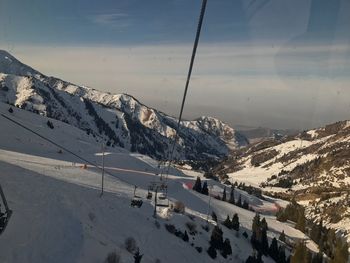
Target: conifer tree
column 341, row 252
column 50, row 124
column 138, row 256
column 216, row 239
column 316, row 232
column 226, row 249
column 256, row 232
column 300, row 225
column 227, row 222
column 185, row 237
column 214, row 216
column 329, row 241
column 211, row 252
column 205, row 189
column 251, row 259
column 245, row 204
column 273, row 250
column 259, row 238
column 264, row 224
column 224, row 195
column 282, row 236
column 264, row 243
column 232, row 196
column 197, row 185
column 300, row 253
column 308, row 256
column 255, row 259
column 317, row 258
column 256, row 222
column 239, row 201
column 235, row 222
column 281, row 255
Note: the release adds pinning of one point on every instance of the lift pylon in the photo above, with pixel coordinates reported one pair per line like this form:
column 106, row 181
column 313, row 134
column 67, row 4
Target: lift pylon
column 4, row 216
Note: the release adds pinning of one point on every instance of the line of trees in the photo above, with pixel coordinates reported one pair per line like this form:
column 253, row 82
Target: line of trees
column 203, row 189
column 199, row 188
column 260, row 243
column 327, row 240
column 232, row 224
column 217, row 242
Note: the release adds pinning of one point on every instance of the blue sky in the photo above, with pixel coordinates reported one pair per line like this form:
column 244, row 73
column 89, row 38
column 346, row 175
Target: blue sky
column 276, row 63
column 120, row 22
column 154, row 21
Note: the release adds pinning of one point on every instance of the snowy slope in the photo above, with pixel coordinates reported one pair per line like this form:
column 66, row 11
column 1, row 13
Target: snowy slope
column 313, row 167
column 288, row 157
column 11, row 65
column 119, row 120
column 59, row 215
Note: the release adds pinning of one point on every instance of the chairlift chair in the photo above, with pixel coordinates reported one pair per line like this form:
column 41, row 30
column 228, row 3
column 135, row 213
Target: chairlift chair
column 136, row 201
column 163, row 200
column 162, row 196
column 163, row 203
column 4, row 217
column 160, row 189
column 149, row 193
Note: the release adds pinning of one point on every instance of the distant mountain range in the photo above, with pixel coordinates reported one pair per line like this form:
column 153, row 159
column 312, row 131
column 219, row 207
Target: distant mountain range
column 117, row 120
column 257, row 134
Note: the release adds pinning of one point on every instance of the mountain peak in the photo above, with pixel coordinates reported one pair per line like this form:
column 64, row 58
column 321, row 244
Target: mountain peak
column 118, row 119
column 10, row 65
column 4, row 53
column 208, row 122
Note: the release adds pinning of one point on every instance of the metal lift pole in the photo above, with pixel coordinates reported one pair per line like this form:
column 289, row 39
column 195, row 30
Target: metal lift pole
column 4, row 200
column 155, row 203
column 5, row 217
column 103, row 167
column 209, row 205
column 135, row 190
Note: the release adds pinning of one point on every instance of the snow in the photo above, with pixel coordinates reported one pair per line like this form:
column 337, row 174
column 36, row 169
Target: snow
column 334, row 176
column 48, row 96
column 59, row 215
column 347, row 125
column 10, row 65
column 6, row 57
column 313, row 133
column 254, row 176
column 292, row 145
column 65, row 101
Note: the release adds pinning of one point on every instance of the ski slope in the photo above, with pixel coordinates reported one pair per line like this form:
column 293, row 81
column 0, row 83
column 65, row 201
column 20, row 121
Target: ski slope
column 59, row 215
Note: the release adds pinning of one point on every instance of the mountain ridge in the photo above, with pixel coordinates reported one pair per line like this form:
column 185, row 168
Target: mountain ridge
column 116, row 119
column 312, row 168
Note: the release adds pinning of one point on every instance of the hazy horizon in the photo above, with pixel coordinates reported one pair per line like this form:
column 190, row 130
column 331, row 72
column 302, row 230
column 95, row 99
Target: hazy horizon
column 276, row 64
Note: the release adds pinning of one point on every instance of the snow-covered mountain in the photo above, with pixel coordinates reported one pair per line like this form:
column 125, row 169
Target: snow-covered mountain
column 312, row 167
column 119, row 120
column 11, row 65
column 59, row 215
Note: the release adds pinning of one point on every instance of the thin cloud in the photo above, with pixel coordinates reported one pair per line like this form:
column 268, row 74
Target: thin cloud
column 116, row 20
column 255, row 90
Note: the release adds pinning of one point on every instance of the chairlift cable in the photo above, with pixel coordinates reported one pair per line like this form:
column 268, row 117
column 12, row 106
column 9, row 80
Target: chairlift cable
column 171, row 153
column 194, row 51
column 65, row 149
